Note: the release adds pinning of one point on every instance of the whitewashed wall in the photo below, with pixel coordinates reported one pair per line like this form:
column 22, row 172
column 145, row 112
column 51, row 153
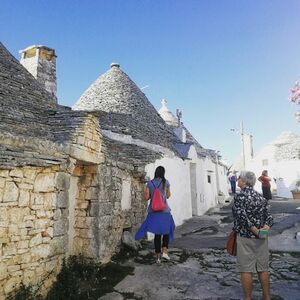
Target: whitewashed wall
column 286, row 171
column 223, row 180
column 191, row 193
column 207, row 191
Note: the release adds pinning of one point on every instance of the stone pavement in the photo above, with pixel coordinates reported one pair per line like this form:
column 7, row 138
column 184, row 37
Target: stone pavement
column 200, row 267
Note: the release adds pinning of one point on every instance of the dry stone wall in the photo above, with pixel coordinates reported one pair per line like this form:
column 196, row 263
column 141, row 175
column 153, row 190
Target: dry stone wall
column 112, row 218
column 33, row 226
column 99, row 217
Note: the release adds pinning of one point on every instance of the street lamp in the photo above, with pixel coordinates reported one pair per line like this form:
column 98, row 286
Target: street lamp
column 241, row 132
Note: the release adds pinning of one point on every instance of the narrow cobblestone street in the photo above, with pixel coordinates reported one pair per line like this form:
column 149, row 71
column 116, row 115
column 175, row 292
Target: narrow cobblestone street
column 200, row 267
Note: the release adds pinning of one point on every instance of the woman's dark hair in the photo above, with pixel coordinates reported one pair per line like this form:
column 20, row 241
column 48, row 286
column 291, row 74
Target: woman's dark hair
column 160, row 173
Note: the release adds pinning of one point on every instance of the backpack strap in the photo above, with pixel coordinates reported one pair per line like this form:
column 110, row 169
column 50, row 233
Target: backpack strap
column 156, row 187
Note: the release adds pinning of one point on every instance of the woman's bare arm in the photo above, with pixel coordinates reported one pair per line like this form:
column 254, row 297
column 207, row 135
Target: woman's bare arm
column 168, row 193
column 147, row 194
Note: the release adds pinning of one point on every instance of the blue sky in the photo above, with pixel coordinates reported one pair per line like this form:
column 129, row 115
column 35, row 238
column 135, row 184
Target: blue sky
column 218, row 61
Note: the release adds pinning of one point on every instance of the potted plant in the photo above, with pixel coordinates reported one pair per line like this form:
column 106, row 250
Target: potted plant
column 296, row 190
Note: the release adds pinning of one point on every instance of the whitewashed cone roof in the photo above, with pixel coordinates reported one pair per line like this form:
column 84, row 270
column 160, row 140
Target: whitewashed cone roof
column 167, row 115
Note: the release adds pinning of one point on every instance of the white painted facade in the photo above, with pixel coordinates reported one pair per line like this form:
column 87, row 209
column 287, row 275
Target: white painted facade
column 193, row 184
column 177, row 173
column 280, row 159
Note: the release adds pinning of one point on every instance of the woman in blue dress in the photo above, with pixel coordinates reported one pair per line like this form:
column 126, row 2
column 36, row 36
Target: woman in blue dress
column 160, row 223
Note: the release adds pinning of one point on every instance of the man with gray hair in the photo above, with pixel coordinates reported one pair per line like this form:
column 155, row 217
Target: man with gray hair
column 252, row 221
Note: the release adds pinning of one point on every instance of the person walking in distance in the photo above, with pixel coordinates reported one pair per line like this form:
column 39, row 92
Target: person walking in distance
column 160, row 223
column 233, row 179
column 265, row 184
column 252, row 222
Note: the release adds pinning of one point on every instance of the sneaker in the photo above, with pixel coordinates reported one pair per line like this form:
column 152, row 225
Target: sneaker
column 158, row 261
column 165, row 256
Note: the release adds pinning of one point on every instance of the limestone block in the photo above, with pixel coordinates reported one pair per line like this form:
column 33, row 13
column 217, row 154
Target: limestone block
column 63, row 181
column 17, row 214
column 15, row 238
column 55, row 168
column 88, row 249
column 41, row 223
column 3, row 231
column 30, row 173
column 60, row 227
column 40, row 251
column 14, row 268
column 71, row 165
column 80, row 140
column 29, row 277
column 9, row 249
column 77, row 246
column 63, row 199
column 23, row 244
column 3, row 270
column 36, row 240
column 106, row 208
column 80, row 222
column 41, row 213
column 2, row 182
column 16, row 173
column 25, row 186
column 4, row 173
column 50, row 214
column 22, row 251
column 11, row 284
column 80, row 213
column 92, row 193
column 4, row 217
column 85, row 233
column 13, row 229
column 23, row 233
column 24, row 198
column 82, row 204
column 57, row 215
column 30, row 217
column 44, row 182
column 1, row 194
column 38, row 199
column 48, row 233
column 50, row 200
column 27, row 181
column 11, row 192
column 94, row 209
column 58, row 245
column 4, row 239
column 25, row 259
column 29, row 224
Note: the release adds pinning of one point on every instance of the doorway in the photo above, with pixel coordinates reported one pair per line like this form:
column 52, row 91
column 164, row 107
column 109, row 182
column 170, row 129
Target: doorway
column 193, row 181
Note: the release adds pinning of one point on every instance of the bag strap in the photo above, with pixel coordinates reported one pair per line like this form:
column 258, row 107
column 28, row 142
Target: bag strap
column 156, row 187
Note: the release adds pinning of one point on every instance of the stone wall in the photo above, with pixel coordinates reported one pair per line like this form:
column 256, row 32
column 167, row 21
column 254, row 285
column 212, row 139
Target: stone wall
column 51, row 212
column 113, row 220
column 32, row 226
column 99, row 217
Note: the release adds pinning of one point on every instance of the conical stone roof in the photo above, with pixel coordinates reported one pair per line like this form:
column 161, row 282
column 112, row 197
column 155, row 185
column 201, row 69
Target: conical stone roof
column 115, row 92
column 125, row 109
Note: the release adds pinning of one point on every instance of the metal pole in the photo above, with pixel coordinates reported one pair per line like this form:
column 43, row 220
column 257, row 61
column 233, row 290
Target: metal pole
column 243, row 144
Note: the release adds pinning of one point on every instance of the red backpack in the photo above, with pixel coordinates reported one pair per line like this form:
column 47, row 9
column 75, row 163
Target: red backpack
column 157, row 203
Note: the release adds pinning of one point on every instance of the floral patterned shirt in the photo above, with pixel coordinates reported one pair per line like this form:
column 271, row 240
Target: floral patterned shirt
column 250, row 209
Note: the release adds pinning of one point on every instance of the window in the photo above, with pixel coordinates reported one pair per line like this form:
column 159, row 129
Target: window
column 265, row 162
column 208, row 178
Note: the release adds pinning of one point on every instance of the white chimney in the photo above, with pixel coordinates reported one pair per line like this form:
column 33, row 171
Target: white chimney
column 40, row 61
